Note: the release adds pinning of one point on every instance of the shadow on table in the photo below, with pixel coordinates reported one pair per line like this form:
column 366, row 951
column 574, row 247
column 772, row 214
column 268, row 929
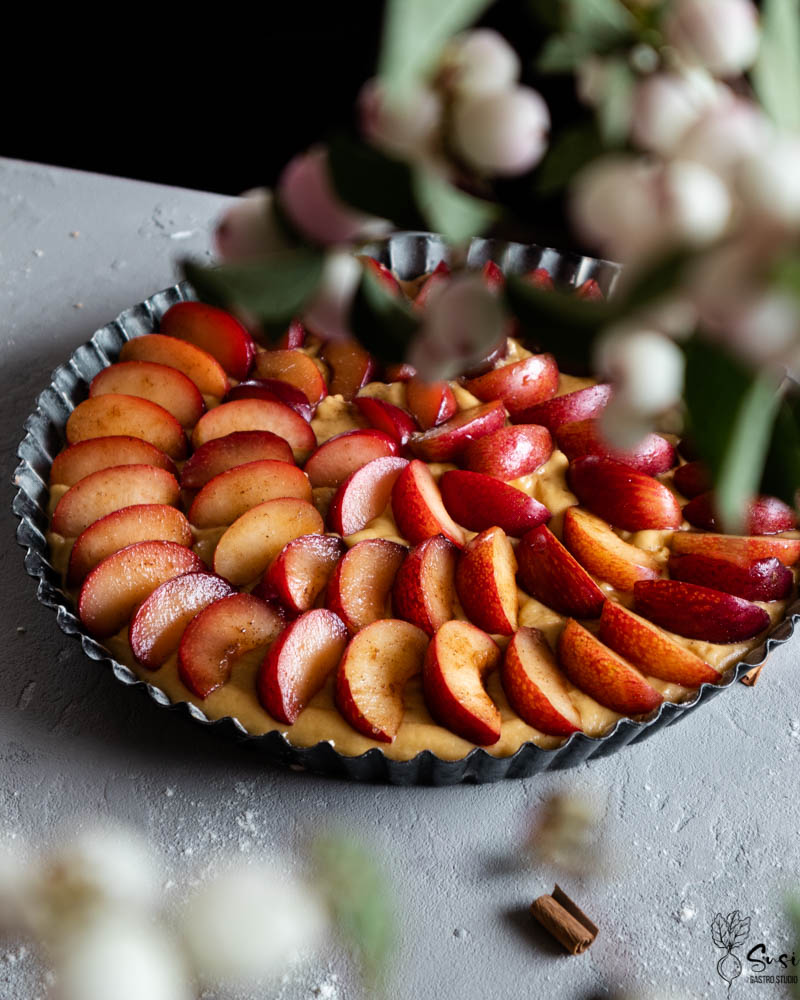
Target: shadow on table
column 520, row 920
column 51, row 693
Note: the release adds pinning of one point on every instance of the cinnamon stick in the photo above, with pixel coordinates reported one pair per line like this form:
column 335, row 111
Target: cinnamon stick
column 752, row 675
column 565, row 921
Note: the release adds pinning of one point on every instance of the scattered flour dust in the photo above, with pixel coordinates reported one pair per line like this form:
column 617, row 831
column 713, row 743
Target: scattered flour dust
column 327, row 990
column 247, row 822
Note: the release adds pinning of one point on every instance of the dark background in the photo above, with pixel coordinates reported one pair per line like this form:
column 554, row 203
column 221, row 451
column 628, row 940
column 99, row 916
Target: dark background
column 211, row 98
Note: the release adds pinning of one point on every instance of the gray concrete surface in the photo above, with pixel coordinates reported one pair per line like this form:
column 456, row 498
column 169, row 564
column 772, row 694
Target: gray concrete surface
column 701, row 819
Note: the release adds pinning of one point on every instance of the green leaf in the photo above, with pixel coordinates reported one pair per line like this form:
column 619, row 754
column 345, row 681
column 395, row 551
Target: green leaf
column 731, row 413
column 556, row 321
column 657, row 280
column 782, row 470
column 776, row 74
column 274, row 289
column 359, row 898
column 600, row 18
column 616, row 105
column 414, row 32
column 568, row 153
column 413, row 197
column 563, row 53
column 785, row 274
column 377, row 184
column 384, row 323
column 591, row 27
column 450, row 211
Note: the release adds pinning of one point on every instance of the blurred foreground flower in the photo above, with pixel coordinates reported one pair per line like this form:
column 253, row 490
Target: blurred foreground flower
column 567, row 833
column 462, row 318
column 633, row 209
column 121, row 955
column 666, row 105
column 249, row 923
column 677, row 164
column 329, row 310
column 359, row 900
column 721, row 35
column 503, row 133
column 407, row 126
column 478, row 62
column 93, row 904
column 249, row 228
column 470, row 103
column 647, row 371
column 306, row 194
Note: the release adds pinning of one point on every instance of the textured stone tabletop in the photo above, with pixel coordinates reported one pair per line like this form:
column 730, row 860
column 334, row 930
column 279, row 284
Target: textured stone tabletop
column 703, row 818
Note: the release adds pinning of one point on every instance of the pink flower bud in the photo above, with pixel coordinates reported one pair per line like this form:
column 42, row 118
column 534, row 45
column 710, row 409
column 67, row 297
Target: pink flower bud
column 503, row 133
column 479, row 62
column 666, row 105
column 407, row 126
column 721, row 35
column 248, row 228
column 307, row 197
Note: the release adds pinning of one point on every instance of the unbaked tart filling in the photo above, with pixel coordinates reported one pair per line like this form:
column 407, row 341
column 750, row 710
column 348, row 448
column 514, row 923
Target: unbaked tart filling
column 282, row 537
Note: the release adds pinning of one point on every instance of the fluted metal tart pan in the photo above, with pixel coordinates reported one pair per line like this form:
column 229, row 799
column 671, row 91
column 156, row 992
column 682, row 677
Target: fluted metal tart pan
column 409, row 255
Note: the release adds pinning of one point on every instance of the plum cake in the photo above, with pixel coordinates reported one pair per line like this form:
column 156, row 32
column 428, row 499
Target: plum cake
column 304, row 540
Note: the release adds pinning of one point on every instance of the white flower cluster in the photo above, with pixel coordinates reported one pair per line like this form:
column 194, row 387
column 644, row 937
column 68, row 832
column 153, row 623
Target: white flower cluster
column 714, row 175
column 93, row 904
column 472, row 106
column 472, row 115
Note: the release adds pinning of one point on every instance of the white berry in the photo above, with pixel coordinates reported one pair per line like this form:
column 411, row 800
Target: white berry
column 769, row 180
column 766, row 329
column 407, row 125
column 721, row 35
column 666, row 105
column 613, row 206
column 503, row 133
column 726, row 133
column 462, row 323
column 99, row 867
column 120, row 955
column 645, row 366
column 697, row 202
column 249, row 923
column 480, row 62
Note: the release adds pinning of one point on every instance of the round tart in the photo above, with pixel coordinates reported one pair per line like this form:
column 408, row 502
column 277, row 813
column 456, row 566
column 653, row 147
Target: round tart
column 411, row 569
